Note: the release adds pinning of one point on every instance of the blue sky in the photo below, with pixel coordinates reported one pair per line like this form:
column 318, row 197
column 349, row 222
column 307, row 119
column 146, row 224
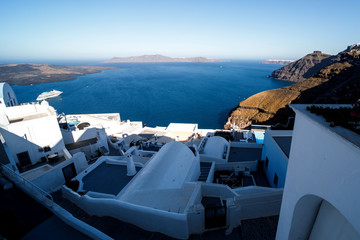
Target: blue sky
column 228, row 29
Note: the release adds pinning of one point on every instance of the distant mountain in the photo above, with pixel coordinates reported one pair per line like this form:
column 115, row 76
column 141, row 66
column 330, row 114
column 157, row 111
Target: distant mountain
column 320, row 79
column 157, row 58
column 26, row 74
column 275, row 61
column 304, row 67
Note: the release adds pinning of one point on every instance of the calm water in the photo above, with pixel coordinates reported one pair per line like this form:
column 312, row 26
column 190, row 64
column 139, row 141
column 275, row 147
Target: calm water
column 160, row 93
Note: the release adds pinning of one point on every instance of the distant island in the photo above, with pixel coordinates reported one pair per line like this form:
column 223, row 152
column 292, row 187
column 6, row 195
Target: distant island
column 157, row 59
column 279, row 62
column 26, row 74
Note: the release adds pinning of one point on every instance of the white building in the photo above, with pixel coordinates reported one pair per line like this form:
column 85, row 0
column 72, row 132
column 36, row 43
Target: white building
column 275, row 156
column 32, row 144
column 31, row 132
column 322, row 193
column 215, row 149
column 7, row 96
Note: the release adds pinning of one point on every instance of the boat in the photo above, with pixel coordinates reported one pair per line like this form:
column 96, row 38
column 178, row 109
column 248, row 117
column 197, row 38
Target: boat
column 46, row 95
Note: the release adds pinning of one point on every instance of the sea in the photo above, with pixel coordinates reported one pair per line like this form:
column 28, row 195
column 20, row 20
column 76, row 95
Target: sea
column 160, row 93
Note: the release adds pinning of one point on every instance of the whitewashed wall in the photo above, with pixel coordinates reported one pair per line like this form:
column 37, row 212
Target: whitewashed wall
column 53, row 179
column 278, row 161
column 33, row 134
column 322, row 165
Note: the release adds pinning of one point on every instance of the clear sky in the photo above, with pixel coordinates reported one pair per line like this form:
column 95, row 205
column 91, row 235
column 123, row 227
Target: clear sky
column 228, row 29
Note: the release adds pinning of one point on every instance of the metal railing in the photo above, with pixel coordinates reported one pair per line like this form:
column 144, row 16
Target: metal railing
column 27, row 186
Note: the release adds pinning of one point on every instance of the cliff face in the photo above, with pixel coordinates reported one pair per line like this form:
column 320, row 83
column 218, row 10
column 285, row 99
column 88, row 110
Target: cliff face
column 304, row 67
column 337, row 82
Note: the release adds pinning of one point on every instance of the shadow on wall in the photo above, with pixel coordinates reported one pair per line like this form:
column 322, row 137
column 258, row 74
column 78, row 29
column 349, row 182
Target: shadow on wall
column 316, row 218
column 27, row 155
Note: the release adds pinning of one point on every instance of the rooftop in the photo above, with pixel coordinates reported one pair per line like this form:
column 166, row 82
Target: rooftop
column 182, row 127
column 284, row 143
column 346, row 134
column 102, row 179
column 28, row 112
column 242, row 154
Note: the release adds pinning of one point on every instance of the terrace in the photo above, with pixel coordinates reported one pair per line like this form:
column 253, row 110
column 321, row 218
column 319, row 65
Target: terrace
column 103, row 177
column 244, row 154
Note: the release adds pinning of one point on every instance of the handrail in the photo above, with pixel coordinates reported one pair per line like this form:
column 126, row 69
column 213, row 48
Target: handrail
column 286, row 125
column 47, row 200
column 26, row 185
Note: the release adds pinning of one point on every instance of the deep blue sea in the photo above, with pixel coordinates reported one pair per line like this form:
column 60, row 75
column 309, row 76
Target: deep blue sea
column 160, row 93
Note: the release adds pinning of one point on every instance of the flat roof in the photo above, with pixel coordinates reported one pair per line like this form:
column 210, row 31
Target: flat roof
column 79, row 144
column 284, row 143
column 346, row 134
column 103, row 178
column 244, row 154
column 182, row 127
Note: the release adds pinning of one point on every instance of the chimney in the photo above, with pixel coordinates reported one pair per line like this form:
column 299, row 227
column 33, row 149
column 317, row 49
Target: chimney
column 131, row 170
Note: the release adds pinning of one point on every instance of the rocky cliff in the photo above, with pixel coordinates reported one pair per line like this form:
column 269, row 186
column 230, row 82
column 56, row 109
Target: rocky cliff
column 337, row 82
column 303, row 68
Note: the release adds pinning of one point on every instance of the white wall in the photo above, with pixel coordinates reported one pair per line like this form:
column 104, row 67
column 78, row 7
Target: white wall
column 214, row 149
column 9, row 98
column 151, row 219
column 321, row 164
column 169, row 169
column 33, row 134
column 54, row 178
column 256, row 205
column 278, row 161
column 78, row 135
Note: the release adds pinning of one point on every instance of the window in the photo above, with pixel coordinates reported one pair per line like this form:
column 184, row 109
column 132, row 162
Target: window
column 276, row 179
column 266, row 162
column 47, row 149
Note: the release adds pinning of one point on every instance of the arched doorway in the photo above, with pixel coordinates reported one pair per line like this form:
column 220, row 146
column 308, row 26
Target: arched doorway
column 315, row 218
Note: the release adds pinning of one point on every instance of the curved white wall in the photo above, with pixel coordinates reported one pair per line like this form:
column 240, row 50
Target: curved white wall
column 214, row 149
column 8, row 96
column 323, row 164
column 168, row 169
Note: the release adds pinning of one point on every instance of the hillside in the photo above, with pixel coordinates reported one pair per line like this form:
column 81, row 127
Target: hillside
column 304, row 67
column 338, row 82
column 26, row 74
column 157, row 58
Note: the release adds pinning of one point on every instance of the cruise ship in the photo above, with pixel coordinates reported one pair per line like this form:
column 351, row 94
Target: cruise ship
column 94, row 176
column 46, row 95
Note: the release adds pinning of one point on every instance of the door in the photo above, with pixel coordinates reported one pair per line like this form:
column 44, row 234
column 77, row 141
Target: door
column 215, row 212
column 24, row 159
column 69, row 172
